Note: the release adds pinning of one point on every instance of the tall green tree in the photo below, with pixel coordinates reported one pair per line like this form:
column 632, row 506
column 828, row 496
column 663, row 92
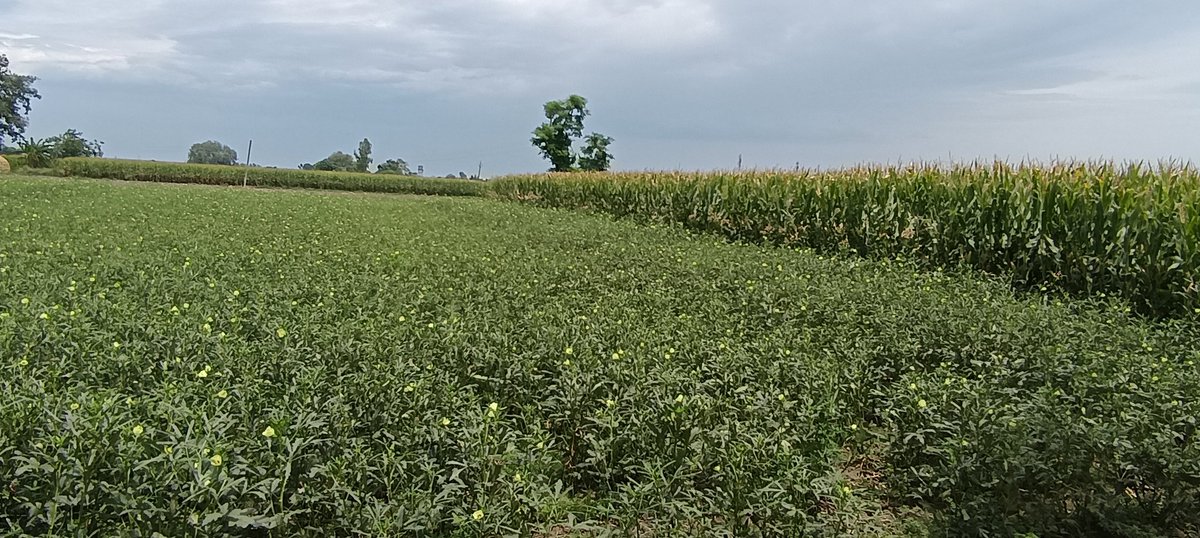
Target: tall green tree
column 337, row 162
column 212, row 152
column 16, row 94
column 362, row 157
column 596, row 156
column 564, row 124
column 73, row 144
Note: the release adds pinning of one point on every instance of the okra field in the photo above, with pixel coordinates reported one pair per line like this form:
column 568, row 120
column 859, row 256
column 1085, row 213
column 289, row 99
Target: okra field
column 185, row 360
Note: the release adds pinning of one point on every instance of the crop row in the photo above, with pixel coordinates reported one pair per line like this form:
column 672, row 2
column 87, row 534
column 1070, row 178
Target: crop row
column 1089, row 229
column 264, row 177
column 1086, row 228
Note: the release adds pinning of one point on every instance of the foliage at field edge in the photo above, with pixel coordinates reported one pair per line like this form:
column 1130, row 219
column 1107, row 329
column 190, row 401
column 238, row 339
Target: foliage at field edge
column 263, row 177
column 220, row 361
column 1086, row 228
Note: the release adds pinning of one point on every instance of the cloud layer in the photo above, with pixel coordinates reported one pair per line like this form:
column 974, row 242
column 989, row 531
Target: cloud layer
column 678, row 83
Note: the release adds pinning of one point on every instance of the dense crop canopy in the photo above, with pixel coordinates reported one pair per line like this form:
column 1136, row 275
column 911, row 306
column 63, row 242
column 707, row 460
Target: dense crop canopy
column 1089, row 229
column 264, row 177
column 203, row 361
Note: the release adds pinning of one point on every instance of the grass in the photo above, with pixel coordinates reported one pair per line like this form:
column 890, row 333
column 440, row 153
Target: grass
column 200, row 361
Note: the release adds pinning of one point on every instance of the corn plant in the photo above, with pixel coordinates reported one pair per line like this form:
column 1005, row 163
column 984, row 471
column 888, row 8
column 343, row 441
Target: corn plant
column 1091, row 229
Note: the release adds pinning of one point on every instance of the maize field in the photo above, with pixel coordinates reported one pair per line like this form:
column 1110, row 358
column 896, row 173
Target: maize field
column 1088, row 229
column 205, row 174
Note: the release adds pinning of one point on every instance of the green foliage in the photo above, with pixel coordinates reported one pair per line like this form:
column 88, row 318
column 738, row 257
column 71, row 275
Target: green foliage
column 16, row 96
column 564, row 125
column 212, row 152
column 362, row 157
column 337, row 162
column 596, row 157
column 16, row 160
column 73, row 144
column 38, row 153
column 224, row 361
column 1089, row 229
column 394, row 166
column 262, row 177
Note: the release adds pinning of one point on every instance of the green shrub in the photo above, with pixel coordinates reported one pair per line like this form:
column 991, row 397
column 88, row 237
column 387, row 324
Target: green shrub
column 263, row 177
column 1089, row 229
column 16, row 160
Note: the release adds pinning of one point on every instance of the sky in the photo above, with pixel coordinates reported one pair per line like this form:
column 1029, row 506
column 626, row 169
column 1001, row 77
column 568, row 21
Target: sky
column 680, row 84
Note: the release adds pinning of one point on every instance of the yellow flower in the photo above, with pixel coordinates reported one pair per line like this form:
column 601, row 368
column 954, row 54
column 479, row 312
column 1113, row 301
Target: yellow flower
column 846, row 490
column 24, row 300
column 223, row 394
column 410, row 387
column 202, row 374
column 568, row 351
column 445, row 421
column 921, row 403
column 74, row 406
column 216, row 460
column 280, row 333
column 138, row 430
column 269, row 432
column 854, row 427
column 116, row 345
column 168, row 450
column 517, row 478
column 44, row 316
column 679, row 399
column 478, row 515
column 567, row 362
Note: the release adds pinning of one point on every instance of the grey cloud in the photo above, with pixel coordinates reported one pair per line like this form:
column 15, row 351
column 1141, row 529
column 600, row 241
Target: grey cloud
column 678, row 83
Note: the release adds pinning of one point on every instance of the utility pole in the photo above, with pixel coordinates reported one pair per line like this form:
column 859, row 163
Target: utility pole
column 246, row 173
column 739, row 161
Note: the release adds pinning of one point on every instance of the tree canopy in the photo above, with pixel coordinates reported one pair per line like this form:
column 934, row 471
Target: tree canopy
column 337, row 162
column 596, row 156
column 212, row 152
column 394, row 166
column 16, row 95
column 555, row 137
column 73, row 144
column 362, row 157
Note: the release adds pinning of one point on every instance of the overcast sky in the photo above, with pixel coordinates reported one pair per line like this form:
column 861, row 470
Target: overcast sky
column 678, row 83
